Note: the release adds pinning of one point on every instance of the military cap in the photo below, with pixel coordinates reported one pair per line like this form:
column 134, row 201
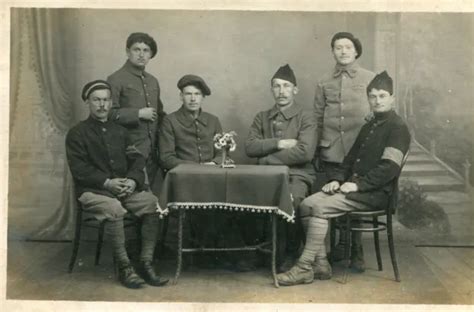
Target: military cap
column 286, row 73
column 193, row 80
column 145, row 38
column 381, row 81
column 93, row 86
column 348, row 35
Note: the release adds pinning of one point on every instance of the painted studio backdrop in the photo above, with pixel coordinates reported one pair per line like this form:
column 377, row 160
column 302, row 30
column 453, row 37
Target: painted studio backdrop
column 56, row 51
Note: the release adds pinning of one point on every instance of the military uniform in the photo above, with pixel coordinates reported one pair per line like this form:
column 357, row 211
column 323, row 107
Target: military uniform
column 373, row 163
column 133, row 89
column 340, row 106
column 273, row 125
column 184, row 139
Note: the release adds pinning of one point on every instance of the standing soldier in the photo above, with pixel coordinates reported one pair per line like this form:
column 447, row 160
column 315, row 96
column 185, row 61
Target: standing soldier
column 136, row 102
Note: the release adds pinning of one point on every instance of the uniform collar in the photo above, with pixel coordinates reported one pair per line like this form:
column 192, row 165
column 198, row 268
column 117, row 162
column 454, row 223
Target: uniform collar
column 287, row 113
column 185, row 118
column 381, row 118
column 128, row 66
column 92, row 121
column 350, row 69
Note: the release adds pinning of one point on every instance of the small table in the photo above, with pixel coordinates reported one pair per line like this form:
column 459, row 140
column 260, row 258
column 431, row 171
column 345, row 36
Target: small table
column 248, row 188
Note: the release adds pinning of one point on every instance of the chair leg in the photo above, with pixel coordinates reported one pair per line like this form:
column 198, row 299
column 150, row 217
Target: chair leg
column 100, row 241
column 332, row 238
column 77, row 239
column 347, row 247
column 392, row 247
column 375, row 222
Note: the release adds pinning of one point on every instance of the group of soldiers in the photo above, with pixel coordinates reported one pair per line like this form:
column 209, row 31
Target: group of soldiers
column 353, row 135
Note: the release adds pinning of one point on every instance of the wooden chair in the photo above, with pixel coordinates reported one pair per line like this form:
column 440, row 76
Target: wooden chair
column 84, row 219
column 369, row 222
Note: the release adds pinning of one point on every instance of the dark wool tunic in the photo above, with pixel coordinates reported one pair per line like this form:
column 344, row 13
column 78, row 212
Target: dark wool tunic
column 97, row 151
column 185, row 140
column 375, row 159
column 273, row 125
column 133, row 89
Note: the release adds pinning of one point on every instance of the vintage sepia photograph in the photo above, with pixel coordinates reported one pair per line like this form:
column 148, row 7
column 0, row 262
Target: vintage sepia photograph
column 187, row 157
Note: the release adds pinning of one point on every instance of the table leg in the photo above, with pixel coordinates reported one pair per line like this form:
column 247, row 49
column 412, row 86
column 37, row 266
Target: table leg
column 180, row 245
column 274, row 248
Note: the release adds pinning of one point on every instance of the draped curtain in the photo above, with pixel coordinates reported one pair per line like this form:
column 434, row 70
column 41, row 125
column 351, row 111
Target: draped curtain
column 46, row 33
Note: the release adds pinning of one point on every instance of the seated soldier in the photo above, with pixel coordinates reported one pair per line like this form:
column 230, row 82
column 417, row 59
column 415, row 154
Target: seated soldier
column 285, row 134
column 187, row 137
column 364, row 181
column 109, row 177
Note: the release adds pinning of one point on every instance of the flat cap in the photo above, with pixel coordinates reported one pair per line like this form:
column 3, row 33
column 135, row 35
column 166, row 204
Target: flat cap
column 194, row 80
column 93, row 86
column 348, row 35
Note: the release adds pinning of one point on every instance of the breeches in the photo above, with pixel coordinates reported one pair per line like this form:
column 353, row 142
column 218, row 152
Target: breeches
column 325, row 206
column 108, row 208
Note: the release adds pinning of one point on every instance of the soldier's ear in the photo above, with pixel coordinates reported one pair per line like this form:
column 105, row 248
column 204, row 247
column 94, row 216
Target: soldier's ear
column 295, row 90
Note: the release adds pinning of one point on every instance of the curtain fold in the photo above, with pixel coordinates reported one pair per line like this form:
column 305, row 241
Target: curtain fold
column 49, row 59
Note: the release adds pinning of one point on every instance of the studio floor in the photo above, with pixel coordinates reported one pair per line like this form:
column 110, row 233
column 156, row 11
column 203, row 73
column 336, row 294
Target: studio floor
column 435, row 269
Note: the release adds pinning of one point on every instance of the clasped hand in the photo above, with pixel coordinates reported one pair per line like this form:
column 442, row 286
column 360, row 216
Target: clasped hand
column 120, row 187
column 334, row 186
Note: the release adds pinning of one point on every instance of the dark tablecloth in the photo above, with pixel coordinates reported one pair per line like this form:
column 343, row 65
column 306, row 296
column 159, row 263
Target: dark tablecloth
column 244, row 188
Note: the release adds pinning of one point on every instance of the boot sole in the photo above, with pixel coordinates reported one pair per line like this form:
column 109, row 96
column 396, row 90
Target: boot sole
column 308, row 281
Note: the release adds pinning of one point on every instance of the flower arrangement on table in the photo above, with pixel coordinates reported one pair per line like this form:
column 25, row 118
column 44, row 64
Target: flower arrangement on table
column 225, row 141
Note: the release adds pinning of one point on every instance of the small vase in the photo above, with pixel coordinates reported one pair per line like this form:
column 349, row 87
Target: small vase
column 224, row 157
column 225, row 162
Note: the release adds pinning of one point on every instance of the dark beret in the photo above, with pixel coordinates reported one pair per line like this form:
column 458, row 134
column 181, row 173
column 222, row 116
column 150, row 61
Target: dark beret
column 93, row 86
column 145, row 38
column 193, row 80
column 348, row 35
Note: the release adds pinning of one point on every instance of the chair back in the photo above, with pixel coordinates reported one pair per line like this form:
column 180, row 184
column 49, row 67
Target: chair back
column 393, row 199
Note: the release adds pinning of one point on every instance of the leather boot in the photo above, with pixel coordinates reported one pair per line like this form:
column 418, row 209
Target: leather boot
column 129, row 278
column 322, row 269
column 298, row 274
column 147, row 272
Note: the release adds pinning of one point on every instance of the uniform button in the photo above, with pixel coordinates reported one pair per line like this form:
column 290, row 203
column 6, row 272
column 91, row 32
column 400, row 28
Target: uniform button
column 198, row 138
column 342, row 117
column 147, row 94
column 358, row 159
column 371, row 131
column 356, row 175
column 200, row 155
column 111, row 161
column 342, row 104
column 199, row 148
column 144, row 85
column 148, row 103
column 342, row 132
column 363, row 145
column 104, row 130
